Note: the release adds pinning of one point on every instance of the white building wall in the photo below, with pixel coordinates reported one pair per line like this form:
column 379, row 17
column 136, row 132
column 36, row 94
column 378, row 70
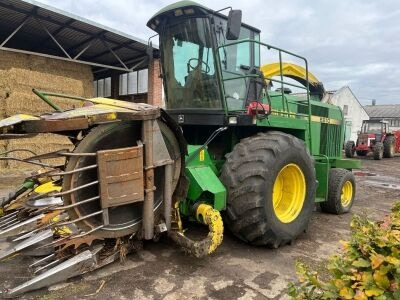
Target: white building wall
column 355, row 112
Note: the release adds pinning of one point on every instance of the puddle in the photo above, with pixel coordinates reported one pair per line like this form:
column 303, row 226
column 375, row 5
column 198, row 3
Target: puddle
column 377, row 180
column 362, row 173
column 386, row 185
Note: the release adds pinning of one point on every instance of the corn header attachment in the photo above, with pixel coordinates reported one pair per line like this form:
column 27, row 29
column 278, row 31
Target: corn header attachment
column 123, row 183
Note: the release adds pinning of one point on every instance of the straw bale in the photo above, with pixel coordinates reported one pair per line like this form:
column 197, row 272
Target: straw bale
column 5, row 84
column 10, row 60
column 19, row 74
column 3, row 148
column 31, row 104
column 40, row 144
column 24, row 103
column 5, row 91
column 23, row 80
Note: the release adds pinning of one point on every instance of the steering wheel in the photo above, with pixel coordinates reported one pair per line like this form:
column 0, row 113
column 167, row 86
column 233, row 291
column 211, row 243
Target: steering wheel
column 190, row 67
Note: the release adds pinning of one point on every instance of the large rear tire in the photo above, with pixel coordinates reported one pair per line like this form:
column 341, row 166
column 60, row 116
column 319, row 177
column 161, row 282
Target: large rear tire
column 378, row 151
column 389, row 146
column 341, row 192
column 350, row 149
column 270, row 178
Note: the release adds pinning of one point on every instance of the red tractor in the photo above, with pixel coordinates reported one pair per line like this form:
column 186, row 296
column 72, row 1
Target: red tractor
column 375, row 137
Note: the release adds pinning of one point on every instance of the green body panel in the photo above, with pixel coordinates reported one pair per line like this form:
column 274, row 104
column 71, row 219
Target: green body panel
column 322, row 167
column 323, row 135
column 228, row 69
column 203, row 179
column 344, row 163
column 204, row 184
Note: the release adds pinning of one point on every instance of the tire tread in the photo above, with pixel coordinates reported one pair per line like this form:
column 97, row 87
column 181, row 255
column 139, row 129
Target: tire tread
column 245, row 216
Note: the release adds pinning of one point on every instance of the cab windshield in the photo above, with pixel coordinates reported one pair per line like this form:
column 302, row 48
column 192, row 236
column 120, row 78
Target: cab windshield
column 372, row 127
column 189, row 66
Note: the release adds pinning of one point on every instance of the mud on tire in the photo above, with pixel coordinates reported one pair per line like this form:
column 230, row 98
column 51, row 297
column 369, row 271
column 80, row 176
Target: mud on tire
column 388, row 146
column 337, row 179
column 378, row 151
column 349, row 149
column 249, row 174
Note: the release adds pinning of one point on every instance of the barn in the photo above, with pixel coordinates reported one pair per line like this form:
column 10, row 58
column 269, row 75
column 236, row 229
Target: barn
column 51, row 50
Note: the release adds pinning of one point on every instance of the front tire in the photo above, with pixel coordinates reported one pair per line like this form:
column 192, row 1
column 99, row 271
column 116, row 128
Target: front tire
column 378, row 151
column 349, row 149
column 270, row 178
column 341, row 192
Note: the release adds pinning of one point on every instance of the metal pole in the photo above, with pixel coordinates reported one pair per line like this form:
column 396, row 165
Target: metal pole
column 309, row 107
column 282, row 85
column 15, row 31
column 52, row 37
column 148, row 205
column 82, row 51
column 47, row 100
column 65, row 58
column 115, row 54
column 168, row 195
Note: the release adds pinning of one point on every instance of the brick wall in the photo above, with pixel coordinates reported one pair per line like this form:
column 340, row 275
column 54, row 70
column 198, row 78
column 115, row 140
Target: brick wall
column 154, row 95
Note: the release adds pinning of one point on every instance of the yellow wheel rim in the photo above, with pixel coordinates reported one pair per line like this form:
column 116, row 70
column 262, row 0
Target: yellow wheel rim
column 289, row 193
column 347, row 193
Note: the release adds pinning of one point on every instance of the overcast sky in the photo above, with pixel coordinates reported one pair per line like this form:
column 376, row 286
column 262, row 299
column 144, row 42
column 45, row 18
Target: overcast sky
column 353, row 42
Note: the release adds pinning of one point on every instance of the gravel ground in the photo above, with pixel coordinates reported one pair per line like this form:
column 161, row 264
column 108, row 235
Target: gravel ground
column 162, row 271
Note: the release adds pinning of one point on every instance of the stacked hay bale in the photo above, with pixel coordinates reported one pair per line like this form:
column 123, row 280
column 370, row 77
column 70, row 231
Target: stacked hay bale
column 19, row 74
column 3, row 163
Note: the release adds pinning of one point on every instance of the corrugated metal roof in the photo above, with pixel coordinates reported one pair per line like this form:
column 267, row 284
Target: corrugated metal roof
column 383, row 111
column 72, row 32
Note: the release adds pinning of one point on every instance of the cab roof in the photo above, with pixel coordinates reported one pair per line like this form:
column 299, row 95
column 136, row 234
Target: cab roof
column 170, row 12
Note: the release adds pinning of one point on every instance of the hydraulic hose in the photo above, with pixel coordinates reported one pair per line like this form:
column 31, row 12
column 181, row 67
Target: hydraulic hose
column 206, row 215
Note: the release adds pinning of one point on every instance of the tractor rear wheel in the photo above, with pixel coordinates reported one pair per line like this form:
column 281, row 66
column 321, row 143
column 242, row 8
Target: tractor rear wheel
column 271, row 185
column 378, row 151
column 349, row 149
column 388, row 146
column 341, row 192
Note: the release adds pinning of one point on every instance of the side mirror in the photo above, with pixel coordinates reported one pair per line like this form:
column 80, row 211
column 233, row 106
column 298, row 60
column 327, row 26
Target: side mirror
column 234, row 24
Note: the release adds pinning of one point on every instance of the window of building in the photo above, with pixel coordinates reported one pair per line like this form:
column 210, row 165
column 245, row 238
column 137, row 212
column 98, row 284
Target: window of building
column 345, row 109
column 102, row 87
column 394, row 122
column 133, row 83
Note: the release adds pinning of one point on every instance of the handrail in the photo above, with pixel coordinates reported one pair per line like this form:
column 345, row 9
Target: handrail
column 282, row 82
column 43, row 95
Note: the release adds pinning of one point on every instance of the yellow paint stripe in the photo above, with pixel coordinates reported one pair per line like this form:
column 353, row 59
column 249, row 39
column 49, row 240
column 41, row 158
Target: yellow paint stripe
column 325, row 120
column 316, row 119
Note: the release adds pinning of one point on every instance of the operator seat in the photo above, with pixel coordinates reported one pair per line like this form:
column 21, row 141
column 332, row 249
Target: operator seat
column 202, row 87
column 256, row 85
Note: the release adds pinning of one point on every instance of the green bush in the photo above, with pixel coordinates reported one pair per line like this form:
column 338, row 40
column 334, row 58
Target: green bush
column 368, row 267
